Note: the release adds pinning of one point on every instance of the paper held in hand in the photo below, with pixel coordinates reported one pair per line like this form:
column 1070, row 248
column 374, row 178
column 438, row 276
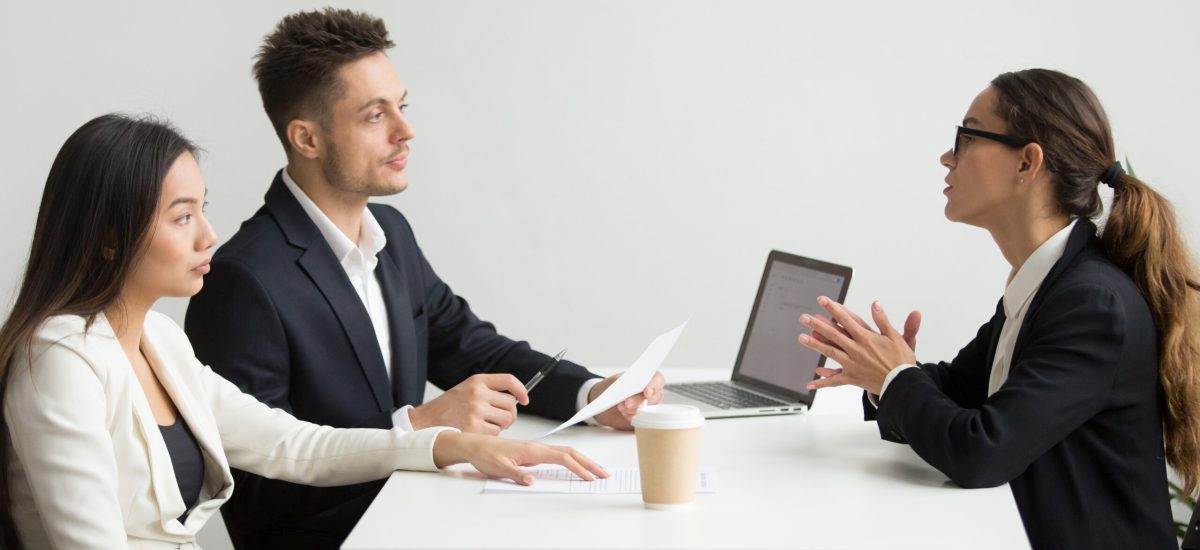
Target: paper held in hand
column 631, row 383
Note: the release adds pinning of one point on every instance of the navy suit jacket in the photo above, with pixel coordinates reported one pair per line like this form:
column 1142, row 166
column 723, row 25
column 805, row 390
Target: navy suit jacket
column 279, row 317
column 1076, row 430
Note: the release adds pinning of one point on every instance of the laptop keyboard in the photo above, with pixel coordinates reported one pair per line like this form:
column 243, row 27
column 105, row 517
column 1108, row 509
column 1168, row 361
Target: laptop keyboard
column 724, row 395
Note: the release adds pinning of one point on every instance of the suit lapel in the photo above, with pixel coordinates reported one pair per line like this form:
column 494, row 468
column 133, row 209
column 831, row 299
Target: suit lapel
column 994, row 340
column 319, row 263
column 200, row 422
column 406, row 388
column 1081, row 235
column 162, row 472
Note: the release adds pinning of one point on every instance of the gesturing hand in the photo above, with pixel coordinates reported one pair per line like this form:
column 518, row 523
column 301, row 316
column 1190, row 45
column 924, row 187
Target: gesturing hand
column 482, row 404
column 866, row 356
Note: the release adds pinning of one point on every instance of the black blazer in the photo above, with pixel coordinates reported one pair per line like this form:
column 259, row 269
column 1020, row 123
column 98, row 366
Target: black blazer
column 1076, row 430
column 279, row 317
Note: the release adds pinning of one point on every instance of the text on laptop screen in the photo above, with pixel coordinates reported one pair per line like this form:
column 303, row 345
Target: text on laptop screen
column 773, row 354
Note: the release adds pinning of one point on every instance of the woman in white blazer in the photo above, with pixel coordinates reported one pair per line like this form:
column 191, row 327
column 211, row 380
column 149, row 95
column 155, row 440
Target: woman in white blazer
column 93, row 381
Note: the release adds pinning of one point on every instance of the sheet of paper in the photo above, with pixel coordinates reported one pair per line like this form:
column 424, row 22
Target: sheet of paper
column 632, row 382
column 621, row 481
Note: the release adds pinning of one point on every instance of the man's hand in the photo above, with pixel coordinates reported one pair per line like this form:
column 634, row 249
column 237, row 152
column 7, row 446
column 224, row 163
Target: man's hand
column 478, row 405
column 621, row 415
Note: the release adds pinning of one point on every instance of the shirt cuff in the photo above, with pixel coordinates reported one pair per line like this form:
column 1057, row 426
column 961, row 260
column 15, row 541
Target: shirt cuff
column 400, row 419
column 581, row 399
column 888, row 380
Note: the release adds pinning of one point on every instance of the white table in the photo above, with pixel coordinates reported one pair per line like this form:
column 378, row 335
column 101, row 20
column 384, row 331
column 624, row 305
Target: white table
column 821, row 479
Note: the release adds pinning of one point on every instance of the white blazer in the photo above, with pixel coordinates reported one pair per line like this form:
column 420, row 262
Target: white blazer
column 88, row 467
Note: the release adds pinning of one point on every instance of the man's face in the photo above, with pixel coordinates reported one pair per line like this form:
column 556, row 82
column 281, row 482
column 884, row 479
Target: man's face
column 366, row 135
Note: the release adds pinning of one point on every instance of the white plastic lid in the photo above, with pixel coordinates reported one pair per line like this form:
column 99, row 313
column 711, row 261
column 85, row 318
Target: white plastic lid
column 668, row 417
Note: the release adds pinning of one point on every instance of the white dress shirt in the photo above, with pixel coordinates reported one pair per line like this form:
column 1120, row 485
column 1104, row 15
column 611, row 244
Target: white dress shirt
column 359, row 260
column 1022, row 285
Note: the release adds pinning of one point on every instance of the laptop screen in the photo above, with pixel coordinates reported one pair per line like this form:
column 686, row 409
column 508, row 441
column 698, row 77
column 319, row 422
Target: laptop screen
column 771, row 356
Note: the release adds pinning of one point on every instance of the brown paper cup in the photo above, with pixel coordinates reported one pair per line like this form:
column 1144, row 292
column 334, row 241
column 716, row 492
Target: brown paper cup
column 668, row 444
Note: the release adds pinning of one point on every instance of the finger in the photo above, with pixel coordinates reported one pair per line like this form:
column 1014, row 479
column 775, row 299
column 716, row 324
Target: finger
column 810, row 320
column 552, row 455
column 483, row 427
column 844, row 318
column 508, row 383
column 852, row 315
column 586, row 462
column 507, row 468
column 911, row 326
column 630, row 405
column 654, row 389
column 501, row 418
column 833, row 336
column 881, row 320
column 831, row 352
column 826, row 372
column 504, row 401
column 828, row 383
column 857, row 319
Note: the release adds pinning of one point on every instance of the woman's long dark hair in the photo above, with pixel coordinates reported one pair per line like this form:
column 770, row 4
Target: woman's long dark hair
column 1141, row 235
column 97, row 209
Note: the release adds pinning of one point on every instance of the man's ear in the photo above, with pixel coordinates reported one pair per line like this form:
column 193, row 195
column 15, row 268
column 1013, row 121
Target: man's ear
column 303, row 136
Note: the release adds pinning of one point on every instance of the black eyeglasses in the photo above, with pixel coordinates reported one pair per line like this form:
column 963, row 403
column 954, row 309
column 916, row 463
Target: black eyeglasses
column 1011, row 141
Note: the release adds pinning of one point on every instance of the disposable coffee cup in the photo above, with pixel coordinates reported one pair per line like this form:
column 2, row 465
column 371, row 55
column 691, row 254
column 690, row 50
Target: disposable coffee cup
column 668, row 444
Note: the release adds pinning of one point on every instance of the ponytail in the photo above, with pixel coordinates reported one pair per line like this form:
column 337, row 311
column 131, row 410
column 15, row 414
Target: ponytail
column 1142, row 238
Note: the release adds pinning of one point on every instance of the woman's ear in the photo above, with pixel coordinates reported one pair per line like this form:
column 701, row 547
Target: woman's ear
column 1032, row 162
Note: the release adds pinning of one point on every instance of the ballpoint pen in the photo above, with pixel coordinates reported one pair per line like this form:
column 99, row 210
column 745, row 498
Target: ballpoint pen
column 542, row 373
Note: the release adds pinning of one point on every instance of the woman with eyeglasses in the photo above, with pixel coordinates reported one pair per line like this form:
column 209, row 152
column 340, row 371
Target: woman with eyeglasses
column 1088, row 373
column 115, row 436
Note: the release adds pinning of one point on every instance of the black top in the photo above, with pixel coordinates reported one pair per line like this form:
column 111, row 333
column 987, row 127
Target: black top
column 188, row 463
column 1076, row 430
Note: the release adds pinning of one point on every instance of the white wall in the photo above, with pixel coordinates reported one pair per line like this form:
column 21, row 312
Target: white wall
column 589, row 174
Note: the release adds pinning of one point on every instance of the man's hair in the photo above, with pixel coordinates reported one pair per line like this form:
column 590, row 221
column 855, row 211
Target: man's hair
column 296, row 68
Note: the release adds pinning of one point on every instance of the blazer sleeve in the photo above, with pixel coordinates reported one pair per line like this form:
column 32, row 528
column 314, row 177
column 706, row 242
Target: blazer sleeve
column 55, row 411
column 1059, row 379
column 964, row 380
column 274, row 444
column 252, row 352
column 460, row 345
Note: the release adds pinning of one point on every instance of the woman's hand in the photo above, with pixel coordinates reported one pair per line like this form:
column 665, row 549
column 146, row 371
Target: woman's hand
column 866, row 356
column 503, row 458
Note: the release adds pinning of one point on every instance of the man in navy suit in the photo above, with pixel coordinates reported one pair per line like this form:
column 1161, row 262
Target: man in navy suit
column 323, row 305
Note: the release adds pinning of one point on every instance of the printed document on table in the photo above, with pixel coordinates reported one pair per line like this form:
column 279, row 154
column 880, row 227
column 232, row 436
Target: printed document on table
column 621, row 481
column 632, row 382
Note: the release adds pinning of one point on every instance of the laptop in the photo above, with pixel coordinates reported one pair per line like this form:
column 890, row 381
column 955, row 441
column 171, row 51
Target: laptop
column 772, row 366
